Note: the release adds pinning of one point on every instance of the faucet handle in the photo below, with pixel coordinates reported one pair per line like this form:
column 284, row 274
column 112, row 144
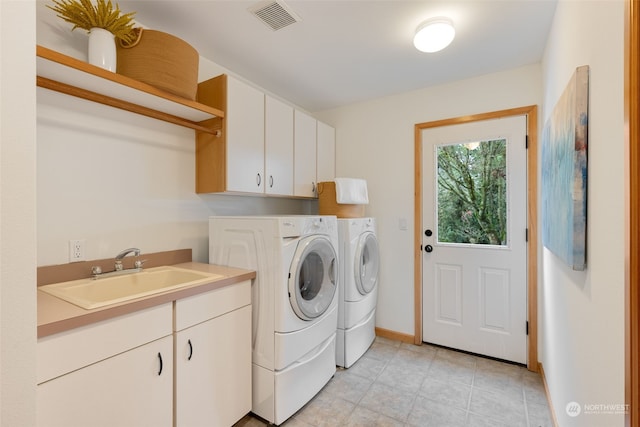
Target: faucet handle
column 139, row 262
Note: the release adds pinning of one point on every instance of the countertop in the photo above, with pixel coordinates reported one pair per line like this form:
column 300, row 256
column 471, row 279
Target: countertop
column 56, row 315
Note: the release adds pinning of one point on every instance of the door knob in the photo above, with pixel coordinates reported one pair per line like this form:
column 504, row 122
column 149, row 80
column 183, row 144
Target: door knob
column 428, row 248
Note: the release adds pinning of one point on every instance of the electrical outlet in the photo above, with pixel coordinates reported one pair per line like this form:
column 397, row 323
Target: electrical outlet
column 76, row 250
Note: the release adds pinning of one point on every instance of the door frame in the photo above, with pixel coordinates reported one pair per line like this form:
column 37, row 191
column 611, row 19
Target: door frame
column 531, row 113
column 632, row 210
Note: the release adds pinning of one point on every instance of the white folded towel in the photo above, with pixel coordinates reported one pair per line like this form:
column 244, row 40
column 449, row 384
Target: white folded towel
column 351, row 191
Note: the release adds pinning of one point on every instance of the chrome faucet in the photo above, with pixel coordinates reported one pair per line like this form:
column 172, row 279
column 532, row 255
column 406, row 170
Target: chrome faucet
column 121, row 255
column 96, row 271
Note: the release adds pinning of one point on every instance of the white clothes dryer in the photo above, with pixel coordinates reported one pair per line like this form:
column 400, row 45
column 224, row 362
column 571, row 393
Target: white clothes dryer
column 294, row 303
column 358, row 288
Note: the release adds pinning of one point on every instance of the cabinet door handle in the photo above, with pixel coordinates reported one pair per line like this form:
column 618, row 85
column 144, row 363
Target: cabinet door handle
column 270, row 181
column 258, row 180
column 313, row 188
column 160, row 359
column 190, row 349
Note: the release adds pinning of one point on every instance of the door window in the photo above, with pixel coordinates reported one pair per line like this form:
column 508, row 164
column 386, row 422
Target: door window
column 472, row 192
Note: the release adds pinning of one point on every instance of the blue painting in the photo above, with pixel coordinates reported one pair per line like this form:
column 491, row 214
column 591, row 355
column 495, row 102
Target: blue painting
column 564, row 173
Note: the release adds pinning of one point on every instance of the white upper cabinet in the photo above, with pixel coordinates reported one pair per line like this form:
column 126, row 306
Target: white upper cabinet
column 304, row 176
column 278, row 147
column 245, row 137
column 265, row 145
column 236, row 151
column 326, row 153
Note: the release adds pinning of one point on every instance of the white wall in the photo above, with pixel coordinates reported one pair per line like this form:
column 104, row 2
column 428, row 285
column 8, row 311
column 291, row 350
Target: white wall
column 117, row 179
column 17, row 214
column 375, row 141
column 582, row 313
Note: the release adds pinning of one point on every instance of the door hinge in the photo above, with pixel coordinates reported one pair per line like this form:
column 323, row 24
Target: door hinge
column 526, row 142
column 527, row 327
column 526, row 234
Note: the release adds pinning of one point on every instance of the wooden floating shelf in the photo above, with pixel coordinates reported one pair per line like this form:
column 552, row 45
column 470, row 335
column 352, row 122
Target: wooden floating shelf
column 71, row 76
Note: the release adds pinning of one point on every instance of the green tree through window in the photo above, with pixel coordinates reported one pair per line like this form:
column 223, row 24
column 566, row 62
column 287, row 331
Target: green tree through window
column 472, row 187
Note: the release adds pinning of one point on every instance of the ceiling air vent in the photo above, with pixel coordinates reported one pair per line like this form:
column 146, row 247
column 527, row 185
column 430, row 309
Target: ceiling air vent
column 275, row 14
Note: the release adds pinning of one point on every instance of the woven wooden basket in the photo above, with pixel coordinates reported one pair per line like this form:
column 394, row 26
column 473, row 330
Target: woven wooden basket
column 327, row 204
column 163, row 61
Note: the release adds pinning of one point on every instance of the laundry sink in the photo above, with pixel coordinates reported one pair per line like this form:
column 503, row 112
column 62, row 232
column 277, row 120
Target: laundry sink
column 93, row 293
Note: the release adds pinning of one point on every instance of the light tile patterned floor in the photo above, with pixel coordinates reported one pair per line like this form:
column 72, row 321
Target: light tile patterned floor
column 396, row 384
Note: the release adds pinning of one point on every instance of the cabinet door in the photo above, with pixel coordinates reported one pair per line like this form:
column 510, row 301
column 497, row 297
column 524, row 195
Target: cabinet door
column 213, row 371
column 304, row 177
column 278, row 145
column 326, row 152
column 245, row 137
column 134, row 388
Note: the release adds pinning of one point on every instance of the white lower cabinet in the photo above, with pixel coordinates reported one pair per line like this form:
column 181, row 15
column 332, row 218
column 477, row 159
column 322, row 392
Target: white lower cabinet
column 117, row 372
column 213, row 371
column 182, row 364
column 213, row 357
column 134, row 388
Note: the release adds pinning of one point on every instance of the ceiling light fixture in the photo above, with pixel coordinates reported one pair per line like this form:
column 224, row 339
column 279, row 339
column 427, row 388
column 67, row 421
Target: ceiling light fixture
column 434, row 34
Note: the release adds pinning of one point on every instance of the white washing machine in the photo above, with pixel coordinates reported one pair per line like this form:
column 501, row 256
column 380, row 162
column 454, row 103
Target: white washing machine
column 358, row 288
column 294, row 303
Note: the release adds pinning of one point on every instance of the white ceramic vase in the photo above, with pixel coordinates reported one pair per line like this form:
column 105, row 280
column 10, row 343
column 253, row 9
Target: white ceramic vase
column 102, row 49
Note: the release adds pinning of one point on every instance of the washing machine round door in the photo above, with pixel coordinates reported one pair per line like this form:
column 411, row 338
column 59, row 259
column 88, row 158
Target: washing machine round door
column 367, row 260
column 312, row 277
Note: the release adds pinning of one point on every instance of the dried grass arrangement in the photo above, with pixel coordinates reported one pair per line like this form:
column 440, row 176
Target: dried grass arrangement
column 83, row 14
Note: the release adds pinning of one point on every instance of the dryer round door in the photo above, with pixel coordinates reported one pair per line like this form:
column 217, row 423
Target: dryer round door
column 367, row 261
column 312, row 277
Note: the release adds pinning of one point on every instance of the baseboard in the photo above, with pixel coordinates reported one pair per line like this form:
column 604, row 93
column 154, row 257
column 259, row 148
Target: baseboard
column 554, row 420
column 393, row 335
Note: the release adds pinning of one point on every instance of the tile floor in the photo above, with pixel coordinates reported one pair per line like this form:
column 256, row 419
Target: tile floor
column 397, row 384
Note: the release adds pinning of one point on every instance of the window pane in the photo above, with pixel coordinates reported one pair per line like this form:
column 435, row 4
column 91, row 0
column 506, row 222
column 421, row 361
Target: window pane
column 472, row 190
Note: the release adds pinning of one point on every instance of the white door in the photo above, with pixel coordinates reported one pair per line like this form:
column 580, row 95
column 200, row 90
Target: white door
column 474, row 239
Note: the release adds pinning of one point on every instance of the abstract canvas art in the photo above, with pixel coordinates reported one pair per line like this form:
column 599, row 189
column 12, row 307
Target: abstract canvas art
column 564, row 173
